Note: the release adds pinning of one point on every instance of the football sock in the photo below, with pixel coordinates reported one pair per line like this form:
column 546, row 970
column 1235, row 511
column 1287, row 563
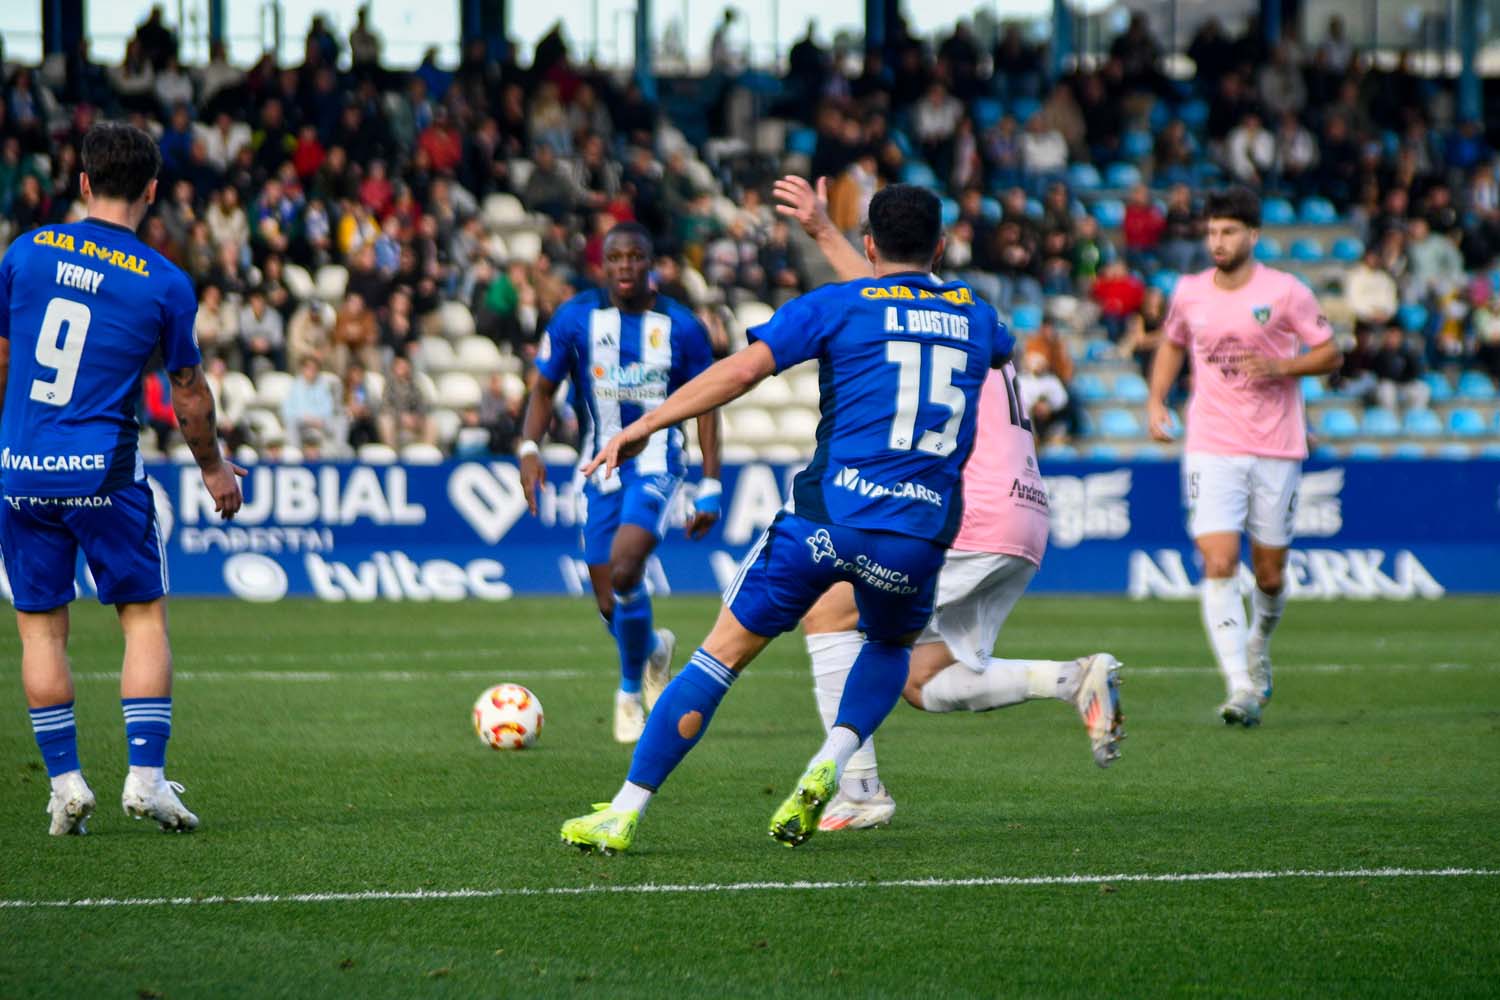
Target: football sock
column 56, row 737
column 148, row 726
column 633, row 635
column 870, row 692
column 682, row 713
column 1224, row 620
column 1006, row 682
column 833, row 655
column 632, row 797
column 1267, row 609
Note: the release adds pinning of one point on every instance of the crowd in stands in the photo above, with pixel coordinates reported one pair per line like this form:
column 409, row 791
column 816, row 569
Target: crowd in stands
column 377, row 252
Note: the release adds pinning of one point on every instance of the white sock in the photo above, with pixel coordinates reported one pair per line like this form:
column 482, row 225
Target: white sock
column 632, row 796
column 840, row 745
column 833, row 655
column 634, row 696
column 150, row 775
column 58, row 781
column 1224, row 620
column 1266, row 609
column 1006, row 682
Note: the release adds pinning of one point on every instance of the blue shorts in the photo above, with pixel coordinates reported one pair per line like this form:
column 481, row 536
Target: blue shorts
column 645, row 501
column 40, row 538
column 796, row 560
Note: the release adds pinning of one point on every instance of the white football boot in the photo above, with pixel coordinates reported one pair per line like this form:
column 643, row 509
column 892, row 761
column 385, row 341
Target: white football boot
column 142, row 799
column 630, row 717
column 1098, row 704
column 1259, row 652
column 1243, row 707
column 844, row 813
column 71, row 802
column 658, row 668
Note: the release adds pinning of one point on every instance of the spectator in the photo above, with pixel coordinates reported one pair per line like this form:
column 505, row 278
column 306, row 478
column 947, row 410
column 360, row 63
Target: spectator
column 549, row 190
column 1143, row 228
column 216, row 326
column 1486, row 326
column 1371, row 292
column 262, row 335
column 361, row 404
column 1119, row 294
column 1043, row 395
column 1048, row 343
column 1044, row 152
column 1398, row 373
column 1296, row 156
column 1282, row 90
column 1182, row 247
column 1436, row 264
column 232, row 400
column 500, row 413
column 310, row 335
column 356, row 335
column 157, row 404
column 1144, row 330
column 404, row 417
column 934, row 124
column 310, row 414
column 1250, row 151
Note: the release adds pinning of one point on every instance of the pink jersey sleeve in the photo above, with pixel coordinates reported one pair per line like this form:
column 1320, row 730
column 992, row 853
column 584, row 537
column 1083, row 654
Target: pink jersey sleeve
column 1304, row 316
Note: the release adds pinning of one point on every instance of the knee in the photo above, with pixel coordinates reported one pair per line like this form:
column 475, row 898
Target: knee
column 1270, row 579
column 913, row 695
column 626, row 574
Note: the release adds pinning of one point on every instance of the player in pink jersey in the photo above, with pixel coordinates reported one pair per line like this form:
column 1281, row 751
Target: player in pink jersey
column 997, row 551
column 1245, row 325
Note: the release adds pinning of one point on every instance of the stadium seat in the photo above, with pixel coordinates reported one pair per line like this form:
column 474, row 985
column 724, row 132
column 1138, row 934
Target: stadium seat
column 271, row 389
column 1084, row 177
column 1366, row 451
column 447, row 423
column 1454, row 451
column 1313, row 389
column 1025, row 318
column 377, row 454
column 1268, row 250
column 1412, row 317
column 1059, row 452
column 426, row 386
column 1442, row 389
column 503, row 211
column 521, row 170
column 1089, row 387
column 987, row 112
column 1165, row 281
column 478, row 355
column 1326, row 453
column 554, row 453
column 332, row 280
column 1110, row 212
column 1409, row 450
column 1034, row 208
column 802, row 140
column 181, row 454
column 291, row 456
column 422, row 454
column 798, row 426
column 525, row 246
column 299, row 282
column 752, row 313
column 1306, row 250
column 1122, row 175
column 990, row 209
column 241, row 384
column 1491, row 450
column 1318, row 212
column 1380, row 422
column 750, row 425
column 1347, row 250
column 782, row 453
column 1098, row 350
column 1194, row 114
column 1136, row 145
column 1131, row 388
column 1154, row 453
column 1022, row 108
column 1476, row 386
column 471, row 441
column 1103, row 453
column 1421, row 424
column 805, row 388
column 436, row 355
column 1116, row 423
column 950, row 211
column 1277, row 212
column 918, row 173
column 738, row 454
column 1338, row 424
column 458, row 390
column 770, row 395
column 1464, row 422
column 456, row 320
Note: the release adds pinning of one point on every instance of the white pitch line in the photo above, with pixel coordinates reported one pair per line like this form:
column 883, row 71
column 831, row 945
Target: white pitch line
column 716, row 887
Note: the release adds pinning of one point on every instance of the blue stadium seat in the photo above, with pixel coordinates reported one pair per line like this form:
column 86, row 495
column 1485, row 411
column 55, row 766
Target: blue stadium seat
column 1122, row 175
column 1338, row 424
column 1131, row 388
column 1455, row 451
column 1098, row 350
column 1268, row 250
column 1136, row 145
column 1110, row 212
column 950, row 211
column 1090, row 388
column 1024, row 107
column 1194, row 114
column 1491, row 450
column 1465, row 422
column 1442, row 389
column 991, row 209
column 1026, row 318
column 1409, row 450
column 1412, row 317
column 1118, row 423
column 1475, row 385
column 1060, row 452
column 1313, row 389
column 1207, row 173
column 802, row 140
column 1277, row 212
column 901, row 141
column 1421, row 424
column 1366, row 451
column 986, row 111
column 1347, row 250
column 1034, row 208
column 1307, row 250
column 1326, row 453
column 1318, row 212
column 1084, row 177
column 1380, row 422
column 1103, row 453
column 1165, row 280
column 920, row 174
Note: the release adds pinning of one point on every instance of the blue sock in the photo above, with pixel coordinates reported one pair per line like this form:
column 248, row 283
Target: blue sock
column 874, row 686
column 633, row 635
column 148, row 726
column 678, row 721
column 56, row 737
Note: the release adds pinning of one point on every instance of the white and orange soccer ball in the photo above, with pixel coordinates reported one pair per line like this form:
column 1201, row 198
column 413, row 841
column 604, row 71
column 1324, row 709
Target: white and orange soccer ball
column 507, row 717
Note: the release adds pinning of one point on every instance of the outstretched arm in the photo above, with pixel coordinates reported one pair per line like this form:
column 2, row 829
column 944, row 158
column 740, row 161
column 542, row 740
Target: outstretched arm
column 194, row 404
column 538, row 419
column 798, row 200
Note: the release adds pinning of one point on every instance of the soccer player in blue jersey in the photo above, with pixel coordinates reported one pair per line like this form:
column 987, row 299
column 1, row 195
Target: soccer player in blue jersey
column 625, row 347
column 902, row 357
column 83, row 308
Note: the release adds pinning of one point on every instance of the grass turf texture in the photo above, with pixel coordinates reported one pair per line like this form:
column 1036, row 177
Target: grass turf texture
column 328, row 749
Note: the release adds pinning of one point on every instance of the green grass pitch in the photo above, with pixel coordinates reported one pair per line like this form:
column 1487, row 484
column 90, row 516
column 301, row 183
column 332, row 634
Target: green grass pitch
column 328, row 749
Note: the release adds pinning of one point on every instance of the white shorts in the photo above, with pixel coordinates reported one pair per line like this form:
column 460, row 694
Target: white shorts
column 1241, row 493
column 975, row 594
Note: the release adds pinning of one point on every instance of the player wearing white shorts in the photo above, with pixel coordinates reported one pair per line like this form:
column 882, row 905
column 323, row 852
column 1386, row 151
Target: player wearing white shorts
column 1245, row 325
column 997, row 551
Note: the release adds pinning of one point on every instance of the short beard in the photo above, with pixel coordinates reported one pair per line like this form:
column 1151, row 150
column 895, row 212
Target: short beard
column 1234, row 262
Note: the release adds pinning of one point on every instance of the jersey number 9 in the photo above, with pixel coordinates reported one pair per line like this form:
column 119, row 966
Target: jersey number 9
column 60, row 350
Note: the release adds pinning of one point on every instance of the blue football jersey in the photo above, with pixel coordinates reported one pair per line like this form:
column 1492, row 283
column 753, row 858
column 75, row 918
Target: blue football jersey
column 84, row 306
column 901, row 361
column 622, row 365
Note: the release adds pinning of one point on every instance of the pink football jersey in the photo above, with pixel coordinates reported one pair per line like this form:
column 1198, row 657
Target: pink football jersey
column 1005, row 500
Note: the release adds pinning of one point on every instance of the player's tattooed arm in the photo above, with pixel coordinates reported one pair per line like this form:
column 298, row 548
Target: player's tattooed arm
column 194, row 405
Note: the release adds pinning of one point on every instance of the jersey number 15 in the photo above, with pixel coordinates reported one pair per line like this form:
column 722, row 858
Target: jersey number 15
column 942, row 363
column 60, row 351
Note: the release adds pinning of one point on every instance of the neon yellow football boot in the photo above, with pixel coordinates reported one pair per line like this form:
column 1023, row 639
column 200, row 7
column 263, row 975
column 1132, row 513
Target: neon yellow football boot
column 604, row 831
column 797, row 819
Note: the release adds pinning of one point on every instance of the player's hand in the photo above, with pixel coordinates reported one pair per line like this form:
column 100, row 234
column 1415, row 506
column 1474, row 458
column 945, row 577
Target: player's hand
column 1159, row 420
column 533, row 475
column 1261, row 366
column 621, row 448
column 223, row 482
column 706, row 508
column 799, row 200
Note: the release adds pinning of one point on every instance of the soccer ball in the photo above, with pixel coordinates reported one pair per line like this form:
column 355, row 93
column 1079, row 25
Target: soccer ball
column 507, row 717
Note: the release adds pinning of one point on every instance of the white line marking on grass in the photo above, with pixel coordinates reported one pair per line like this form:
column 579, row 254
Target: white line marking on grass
column 716, row 887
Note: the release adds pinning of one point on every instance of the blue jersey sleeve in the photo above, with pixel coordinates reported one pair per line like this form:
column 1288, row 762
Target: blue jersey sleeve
column 797, row 332
column 691, row 350
column 1005, row 343
column 554, row 355
column 179, row 346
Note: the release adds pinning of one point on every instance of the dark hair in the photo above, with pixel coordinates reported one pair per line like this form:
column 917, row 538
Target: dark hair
column 120, row 160
column 1238, row 203
column 635, row 229
column 906, row 222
